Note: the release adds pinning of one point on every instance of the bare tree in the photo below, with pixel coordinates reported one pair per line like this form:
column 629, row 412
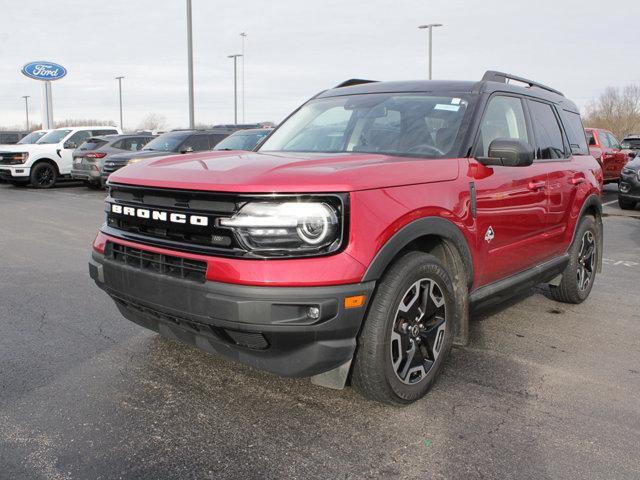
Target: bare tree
column 153, row 121
column 617, row 110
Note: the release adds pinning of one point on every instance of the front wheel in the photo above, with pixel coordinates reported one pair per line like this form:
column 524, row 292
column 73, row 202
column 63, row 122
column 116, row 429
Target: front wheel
column 408, row 331
column 43, row 175
column 580, row 273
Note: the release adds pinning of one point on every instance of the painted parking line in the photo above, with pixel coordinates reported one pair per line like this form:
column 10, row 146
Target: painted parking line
column 609, row 203
column 617, row 263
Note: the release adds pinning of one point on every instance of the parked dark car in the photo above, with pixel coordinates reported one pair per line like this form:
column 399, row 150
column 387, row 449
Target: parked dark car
column 629, row 186
column 170, row 143
column 631, row 142
column 89, row 158
column 244, row 139
column 10, row 137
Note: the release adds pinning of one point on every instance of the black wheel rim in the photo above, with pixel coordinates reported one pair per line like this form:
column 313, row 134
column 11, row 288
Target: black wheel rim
column 45, row 176
column 586, row 260
column 417, row 334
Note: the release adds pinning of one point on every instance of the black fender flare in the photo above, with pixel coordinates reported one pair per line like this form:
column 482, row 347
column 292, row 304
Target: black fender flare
column 419, row 228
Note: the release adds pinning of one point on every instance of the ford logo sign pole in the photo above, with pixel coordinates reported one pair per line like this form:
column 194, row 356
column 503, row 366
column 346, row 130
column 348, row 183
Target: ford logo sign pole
column 46, row 72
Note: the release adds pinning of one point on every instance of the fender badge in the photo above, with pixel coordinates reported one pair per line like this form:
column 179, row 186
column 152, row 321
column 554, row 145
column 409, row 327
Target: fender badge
column 489, row 235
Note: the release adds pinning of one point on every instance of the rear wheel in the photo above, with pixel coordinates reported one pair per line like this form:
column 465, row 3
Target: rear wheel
column 626, row 204
column 580, row 273
column 43, row 175
column 408, row 331
column 93, row 184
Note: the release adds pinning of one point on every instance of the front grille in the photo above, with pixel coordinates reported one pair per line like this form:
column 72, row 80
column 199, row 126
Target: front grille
column 198, row 237
column 170, row 265
column 111, row 166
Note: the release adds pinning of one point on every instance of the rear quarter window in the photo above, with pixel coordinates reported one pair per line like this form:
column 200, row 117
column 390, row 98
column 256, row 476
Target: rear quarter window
column 575, row 131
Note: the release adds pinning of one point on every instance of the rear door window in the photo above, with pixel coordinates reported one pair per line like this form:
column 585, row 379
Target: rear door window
column 197, row 143
column 604, row 140
column 613, row 141
column 549, row 141
column 575, row 131
column 216, row 138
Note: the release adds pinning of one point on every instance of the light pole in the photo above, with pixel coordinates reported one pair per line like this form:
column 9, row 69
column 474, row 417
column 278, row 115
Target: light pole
column 120, row 95
column 244, row 36
column 430, row 27
column 235, row 86
column 26, row 108
column 190, row 65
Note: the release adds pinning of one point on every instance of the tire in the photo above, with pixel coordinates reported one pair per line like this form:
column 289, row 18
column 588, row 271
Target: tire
column 626, row 204
column 583, row 260
column 387, row 340
column 43, row 175
column 92, row 184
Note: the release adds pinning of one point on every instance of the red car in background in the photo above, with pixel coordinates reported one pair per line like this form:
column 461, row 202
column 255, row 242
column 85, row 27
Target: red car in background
column 606, row 148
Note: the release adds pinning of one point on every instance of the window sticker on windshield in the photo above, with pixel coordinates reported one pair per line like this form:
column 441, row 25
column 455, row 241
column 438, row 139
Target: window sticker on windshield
column 444, row 106
column 455, row 101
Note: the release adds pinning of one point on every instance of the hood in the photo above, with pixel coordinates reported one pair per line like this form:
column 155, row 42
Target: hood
column 14, row 147
column 139, row 154
column 633, row 164
column 284, row 172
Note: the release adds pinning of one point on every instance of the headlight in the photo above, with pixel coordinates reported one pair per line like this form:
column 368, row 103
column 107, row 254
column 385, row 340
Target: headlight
column 17, row 158
column 134, row 160
column 287, row 228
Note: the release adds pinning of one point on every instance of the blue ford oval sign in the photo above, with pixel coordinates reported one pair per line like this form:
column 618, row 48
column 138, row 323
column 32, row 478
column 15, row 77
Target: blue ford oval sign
column 44, row 70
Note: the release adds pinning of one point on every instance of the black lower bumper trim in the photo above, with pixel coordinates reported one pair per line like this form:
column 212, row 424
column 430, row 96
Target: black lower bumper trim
column 265, row 327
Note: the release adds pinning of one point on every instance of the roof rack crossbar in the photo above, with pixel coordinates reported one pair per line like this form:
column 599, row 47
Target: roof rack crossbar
column 354, row 81
column 501, row 77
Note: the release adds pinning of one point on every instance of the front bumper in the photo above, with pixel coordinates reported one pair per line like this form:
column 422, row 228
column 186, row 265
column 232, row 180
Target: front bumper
column 629, row 187
column 265, row 327
column 14, row 172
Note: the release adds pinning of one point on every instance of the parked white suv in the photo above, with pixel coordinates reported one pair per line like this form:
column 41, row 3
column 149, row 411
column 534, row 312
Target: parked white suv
column 44, row 162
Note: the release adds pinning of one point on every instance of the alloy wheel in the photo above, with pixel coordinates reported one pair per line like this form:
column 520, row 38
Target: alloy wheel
column 417, row 335
column 586, row 260
column 45, row 176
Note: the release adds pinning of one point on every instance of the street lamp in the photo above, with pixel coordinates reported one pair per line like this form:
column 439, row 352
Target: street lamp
column 235, row 86
column 120, row 95
column 430, row 27
column 190, row 65
column 244, row 36
column 26, row 108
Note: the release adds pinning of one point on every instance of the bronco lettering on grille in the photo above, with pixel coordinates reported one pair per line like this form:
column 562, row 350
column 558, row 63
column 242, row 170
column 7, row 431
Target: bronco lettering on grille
column 198, row 220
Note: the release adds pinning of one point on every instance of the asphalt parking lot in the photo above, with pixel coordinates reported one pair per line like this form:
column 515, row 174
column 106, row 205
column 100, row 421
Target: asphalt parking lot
column 544, row 390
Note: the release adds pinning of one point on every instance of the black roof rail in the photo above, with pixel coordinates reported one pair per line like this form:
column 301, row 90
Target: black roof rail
column 354, row 81
column 501, row 77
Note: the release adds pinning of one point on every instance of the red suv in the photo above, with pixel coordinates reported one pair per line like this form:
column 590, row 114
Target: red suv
column 606, row 148
column 351, row 244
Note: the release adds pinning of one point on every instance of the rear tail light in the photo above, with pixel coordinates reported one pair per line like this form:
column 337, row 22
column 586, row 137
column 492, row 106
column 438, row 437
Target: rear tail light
column 95, row 155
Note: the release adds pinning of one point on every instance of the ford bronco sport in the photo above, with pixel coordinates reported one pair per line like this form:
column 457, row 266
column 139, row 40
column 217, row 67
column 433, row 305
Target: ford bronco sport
column 350, row 245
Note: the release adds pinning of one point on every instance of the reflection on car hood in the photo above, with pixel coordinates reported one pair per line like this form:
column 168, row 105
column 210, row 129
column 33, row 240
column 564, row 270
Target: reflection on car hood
column 139, row 154
column 285, row 171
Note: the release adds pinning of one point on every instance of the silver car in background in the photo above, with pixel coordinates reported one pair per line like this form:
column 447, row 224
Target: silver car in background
column 89, row 158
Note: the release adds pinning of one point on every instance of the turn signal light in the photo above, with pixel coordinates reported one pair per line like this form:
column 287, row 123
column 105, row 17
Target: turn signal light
column 355, row 301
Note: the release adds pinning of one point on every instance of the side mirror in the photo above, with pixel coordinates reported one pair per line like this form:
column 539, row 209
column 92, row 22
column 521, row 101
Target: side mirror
column 187, row 150
column 508, row 153
column 70, row 145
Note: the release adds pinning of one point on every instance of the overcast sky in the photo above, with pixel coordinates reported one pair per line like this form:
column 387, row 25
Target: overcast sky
column 296, row 48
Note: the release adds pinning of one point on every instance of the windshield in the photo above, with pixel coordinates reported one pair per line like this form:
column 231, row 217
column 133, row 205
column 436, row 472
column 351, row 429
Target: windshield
column 54, row 136
column 407, row 124
column 33, row 137
column 165, row 143
column 241, row 141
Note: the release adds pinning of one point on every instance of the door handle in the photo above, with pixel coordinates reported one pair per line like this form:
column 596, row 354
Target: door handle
column 537, row 185
column 577, row 180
